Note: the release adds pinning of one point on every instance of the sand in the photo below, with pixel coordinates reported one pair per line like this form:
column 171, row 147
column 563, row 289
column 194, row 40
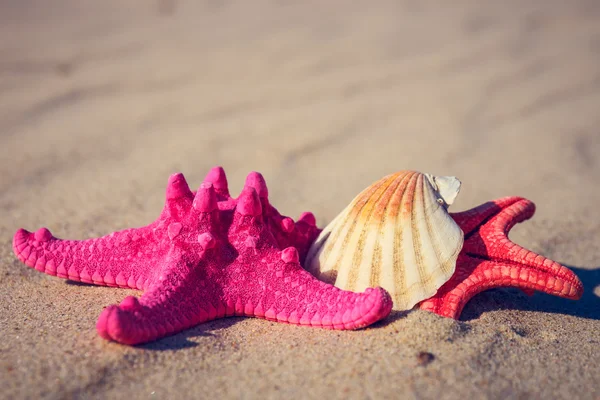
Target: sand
column 101, row 101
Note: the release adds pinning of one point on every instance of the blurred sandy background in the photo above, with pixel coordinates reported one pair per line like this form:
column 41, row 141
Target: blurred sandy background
column 101, row 100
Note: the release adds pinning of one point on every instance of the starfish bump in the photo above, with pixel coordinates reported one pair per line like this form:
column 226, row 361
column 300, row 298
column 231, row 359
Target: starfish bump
column 489, row 259
column 207, row 256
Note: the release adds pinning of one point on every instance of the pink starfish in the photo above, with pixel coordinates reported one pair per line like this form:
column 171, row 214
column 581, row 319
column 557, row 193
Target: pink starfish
column 489, row 260
column 207, row 256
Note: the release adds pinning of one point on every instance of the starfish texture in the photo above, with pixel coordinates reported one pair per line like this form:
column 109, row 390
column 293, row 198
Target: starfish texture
column 489, row 259
column 207, row 256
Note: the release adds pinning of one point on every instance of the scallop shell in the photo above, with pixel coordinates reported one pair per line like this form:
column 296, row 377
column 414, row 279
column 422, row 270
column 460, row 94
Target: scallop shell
column 396, row 234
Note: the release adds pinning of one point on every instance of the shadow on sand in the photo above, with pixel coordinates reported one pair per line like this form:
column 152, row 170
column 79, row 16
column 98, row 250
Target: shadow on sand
column 182, row 340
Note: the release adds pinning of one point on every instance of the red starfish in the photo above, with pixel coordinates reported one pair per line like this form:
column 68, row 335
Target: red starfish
column 489, row 260
column 207, row 256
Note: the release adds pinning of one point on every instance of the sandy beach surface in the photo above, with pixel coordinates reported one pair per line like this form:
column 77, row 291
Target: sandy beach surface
column 100, row 101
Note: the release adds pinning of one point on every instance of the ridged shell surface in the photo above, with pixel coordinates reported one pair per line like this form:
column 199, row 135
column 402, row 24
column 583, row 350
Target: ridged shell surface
column 396, row 234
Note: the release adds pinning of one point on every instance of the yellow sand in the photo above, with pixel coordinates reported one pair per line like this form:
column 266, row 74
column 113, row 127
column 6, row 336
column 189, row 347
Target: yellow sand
column 101, row 100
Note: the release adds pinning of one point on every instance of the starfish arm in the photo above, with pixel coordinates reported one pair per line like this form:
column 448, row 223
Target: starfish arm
column 286, row 292
column 470, row 220
column 117, row 259
column 491, row 241
column 476, row 275
column 179, row 298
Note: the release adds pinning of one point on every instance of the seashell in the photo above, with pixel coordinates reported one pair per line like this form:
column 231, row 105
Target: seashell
column 396, row 234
